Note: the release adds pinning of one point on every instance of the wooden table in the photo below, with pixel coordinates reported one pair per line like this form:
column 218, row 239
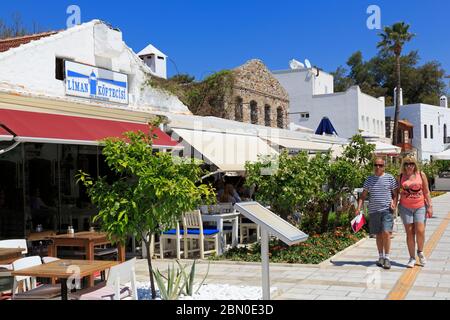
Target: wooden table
column 87, row 239
column 219, row 218
column 41, row 236
column 66, row 270
column 9, row 255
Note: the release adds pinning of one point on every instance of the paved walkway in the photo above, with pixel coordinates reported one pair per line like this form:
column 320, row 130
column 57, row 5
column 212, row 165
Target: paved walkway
column 351, row 274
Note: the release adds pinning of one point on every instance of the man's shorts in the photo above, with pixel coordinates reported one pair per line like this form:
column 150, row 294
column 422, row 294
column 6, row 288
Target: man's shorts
column 381, row 221
column 410, row 216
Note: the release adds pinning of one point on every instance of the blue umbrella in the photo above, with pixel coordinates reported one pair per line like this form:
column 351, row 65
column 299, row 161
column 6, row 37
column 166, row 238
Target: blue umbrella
column 326, row 127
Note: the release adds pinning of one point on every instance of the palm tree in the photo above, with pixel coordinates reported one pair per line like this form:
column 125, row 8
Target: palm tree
column 393, row 38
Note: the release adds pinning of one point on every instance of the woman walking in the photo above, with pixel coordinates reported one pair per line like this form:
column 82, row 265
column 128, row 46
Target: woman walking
column 415, row 207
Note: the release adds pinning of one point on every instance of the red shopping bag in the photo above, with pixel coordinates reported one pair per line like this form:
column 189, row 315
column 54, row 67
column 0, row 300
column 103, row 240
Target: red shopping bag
column 358, row 222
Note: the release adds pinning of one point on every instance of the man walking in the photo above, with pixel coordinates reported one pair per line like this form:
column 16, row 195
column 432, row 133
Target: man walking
column 382, row 190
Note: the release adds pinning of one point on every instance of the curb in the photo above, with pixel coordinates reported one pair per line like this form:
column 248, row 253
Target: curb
column 228, row 262
column 327, row 262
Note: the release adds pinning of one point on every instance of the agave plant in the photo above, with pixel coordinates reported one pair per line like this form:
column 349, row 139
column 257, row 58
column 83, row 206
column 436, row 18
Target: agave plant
column 189, row 280
column 174, row 287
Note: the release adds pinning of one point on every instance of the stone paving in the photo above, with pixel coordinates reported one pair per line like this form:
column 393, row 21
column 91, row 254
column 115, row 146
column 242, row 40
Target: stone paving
column 350, row 275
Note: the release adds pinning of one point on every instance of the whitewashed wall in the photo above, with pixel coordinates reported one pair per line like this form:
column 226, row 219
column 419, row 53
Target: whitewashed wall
column 419, row 115
column 31, row 67
column 344, row 109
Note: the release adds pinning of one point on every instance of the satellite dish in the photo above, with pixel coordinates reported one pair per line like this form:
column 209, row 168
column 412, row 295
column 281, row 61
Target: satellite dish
column 308, row 64
column 294, row 64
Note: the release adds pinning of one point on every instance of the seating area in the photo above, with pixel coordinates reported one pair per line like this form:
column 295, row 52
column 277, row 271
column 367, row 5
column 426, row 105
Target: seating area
column 209, row 230
column 28, row 272
column 27, row 276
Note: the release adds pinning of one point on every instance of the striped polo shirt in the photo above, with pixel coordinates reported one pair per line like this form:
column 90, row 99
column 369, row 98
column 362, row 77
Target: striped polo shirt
column 380, row 191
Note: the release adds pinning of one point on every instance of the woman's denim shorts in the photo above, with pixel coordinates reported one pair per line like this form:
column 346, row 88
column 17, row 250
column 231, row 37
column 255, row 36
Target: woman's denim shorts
column 410, row 216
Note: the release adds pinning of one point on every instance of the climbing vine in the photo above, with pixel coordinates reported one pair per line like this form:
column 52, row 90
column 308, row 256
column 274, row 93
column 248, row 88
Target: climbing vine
column 204, row 97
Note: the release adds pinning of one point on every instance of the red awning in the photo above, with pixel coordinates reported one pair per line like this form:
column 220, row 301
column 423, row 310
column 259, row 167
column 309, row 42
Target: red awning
column 52, row 128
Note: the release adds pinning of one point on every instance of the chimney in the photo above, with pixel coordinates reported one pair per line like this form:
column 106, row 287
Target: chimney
column 444, row 102
column 401, row 96
column 155, row 60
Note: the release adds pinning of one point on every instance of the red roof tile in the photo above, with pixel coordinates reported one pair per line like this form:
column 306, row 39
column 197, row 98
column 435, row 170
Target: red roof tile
column 6, row 44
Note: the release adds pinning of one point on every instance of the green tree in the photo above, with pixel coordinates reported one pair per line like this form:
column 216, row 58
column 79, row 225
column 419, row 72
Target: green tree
column 151, row 193
column 291, row 186
column 393, row 39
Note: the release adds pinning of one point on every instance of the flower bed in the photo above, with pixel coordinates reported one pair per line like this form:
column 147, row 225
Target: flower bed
column 316, row 249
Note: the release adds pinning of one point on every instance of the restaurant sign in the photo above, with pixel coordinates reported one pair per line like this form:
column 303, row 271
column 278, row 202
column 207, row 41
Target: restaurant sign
column 96, row 83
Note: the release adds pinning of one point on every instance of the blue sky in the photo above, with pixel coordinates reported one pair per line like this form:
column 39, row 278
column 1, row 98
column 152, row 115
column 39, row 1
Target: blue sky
column 202, row 36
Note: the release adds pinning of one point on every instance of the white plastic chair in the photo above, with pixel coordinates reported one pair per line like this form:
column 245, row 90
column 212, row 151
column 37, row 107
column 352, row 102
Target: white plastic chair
column 115, row 288
column 12, row 244
column 45, row 291
column 193, row 229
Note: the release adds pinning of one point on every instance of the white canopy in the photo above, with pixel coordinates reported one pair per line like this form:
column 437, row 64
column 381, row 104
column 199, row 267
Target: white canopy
column 298, row 144
column 445, row 155
column 385, row 148
column 228, row 151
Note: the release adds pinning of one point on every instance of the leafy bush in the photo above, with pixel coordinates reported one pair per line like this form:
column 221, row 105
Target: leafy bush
column 311, row 185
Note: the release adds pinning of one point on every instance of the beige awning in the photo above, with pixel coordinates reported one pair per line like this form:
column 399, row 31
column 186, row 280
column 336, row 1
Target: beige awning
column 297, row 144
column 228, row 151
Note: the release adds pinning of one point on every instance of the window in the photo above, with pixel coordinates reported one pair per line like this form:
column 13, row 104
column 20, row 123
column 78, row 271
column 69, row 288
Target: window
column 431, row 132
column 304, row 115
column 280, row 120
column 425, row 131
column 253, row 112
column 238, row 106
column 267, row 117
column 160, row 58
column 59, row 69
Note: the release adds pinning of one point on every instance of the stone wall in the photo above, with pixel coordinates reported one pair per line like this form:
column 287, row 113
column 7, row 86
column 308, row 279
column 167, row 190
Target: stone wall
column 254, row 82
column 251, row 82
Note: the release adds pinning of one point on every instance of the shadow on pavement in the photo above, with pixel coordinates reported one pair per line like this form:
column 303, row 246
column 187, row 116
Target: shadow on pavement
column 364, row 263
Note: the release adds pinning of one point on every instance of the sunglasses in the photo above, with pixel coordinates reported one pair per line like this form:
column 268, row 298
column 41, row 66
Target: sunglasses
column 378, row 165
column 409, row 164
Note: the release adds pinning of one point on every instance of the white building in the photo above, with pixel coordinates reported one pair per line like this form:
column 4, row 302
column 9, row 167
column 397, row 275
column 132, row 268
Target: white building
column 431, row 133
column 312, row 97
column 37, row 67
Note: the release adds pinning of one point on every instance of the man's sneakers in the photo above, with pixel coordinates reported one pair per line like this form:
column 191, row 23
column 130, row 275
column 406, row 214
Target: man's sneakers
column 384, row 263
column 422, row 259
column 411, row 263
column 380, row 262
column 387, row 263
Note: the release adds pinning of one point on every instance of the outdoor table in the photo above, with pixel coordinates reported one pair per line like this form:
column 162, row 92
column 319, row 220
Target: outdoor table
column 219, row 218
column 41, row 236
column 64, row 269
column 9, row 255
column 87, row 239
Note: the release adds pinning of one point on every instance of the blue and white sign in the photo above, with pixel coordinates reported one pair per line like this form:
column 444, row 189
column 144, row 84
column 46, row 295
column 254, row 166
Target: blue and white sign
column 96, row 83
